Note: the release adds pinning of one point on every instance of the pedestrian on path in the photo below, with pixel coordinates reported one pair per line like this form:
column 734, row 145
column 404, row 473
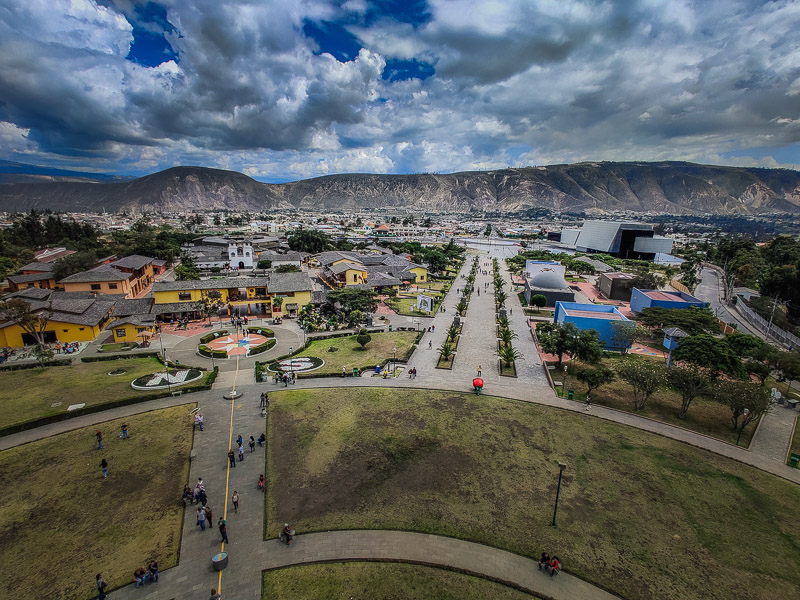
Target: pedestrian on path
column 241, row 453
column 263, row 400
column 201, row 519
column 235, row 499
column 588, row 403
column 198, row 420
column 214, row 595
column 294, row 377
column 252, row 444
column 239, row 439
column 344, row 371
column 511, row 311
column 430, row 344
column 99, row 436
column 223, row 529
column 232, row 459
column 101, row 584
column 479, row 370
column 104, row 468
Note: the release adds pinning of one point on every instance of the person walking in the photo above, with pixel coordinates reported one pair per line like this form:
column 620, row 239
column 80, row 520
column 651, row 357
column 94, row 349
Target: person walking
column 223, row 529
column 479, row 370
column 99, row 436
column 124, row 428
column 252, row 444
column 430, row 344
column 235, row 500
column 101, row 584
column 201, row 519
column 232, row 459
column 241, row 453
column 239, row 439
column 294, row 377
column 104, row 468
column 263, row 403
column 198, row 419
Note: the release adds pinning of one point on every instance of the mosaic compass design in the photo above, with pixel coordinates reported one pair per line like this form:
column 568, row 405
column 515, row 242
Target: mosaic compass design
column 240, row 346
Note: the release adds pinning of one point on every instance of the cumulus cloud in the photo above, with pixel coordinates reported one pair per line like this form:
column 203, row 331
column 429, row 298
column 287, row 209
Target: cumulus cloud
column 514, row 82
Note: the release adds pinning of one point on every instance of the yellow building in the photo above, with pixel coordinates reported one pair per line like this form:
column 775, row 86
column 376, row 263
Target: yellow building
column 72, row 318
column 376, row 270
column 129, row 277
column 136, row 328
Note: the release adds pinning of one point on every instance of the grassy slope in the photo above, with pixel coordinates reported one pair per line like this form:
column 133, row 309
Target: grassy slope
column 61, row 523
column 705, row 416
column 350, row 354
column 27, row 394
column 380, row 581
column 641, row 515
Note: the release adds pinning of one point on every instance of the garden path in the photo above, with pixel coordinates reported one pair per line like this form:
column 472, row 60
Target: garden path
column 774, row 434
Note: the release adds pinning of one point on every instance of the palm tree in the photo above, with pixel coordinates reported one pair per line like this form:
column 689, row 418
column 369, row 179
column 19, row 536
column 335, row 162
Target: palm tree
column 452, row 332
column 503, row 322
column 508, row 355
column 461, row 307
column 500, row 297
column 446, row 351
column 506, row 335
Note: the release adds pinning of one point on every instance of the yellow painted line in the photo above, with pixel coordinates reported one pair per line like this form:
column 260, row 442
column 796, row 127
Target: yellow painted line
column 228, row 471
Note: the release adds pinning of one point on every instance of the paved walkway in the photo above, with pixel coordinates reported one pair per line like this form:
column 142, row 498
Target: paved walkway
column 774, row 434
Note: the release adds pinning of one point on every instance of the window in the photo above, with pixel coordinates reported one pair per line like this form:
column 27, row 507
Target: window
column 81, row 328
column 247, row 254
column 119, row 332
column 95, row 286
column 112, row 286
column 184, row 296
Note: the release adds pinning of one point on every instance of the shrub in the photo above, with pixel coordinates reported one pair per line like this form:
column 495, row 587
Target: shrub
column 212, row 336
column 265, row 331
column 263, row 347
column 211, row 376
column 208, row 352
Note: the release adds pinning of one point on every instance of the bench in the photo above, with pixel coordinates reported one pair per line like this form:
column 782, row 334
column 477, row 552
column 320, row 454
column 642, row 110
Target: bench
column 794, row 460
column 177, row 392
column 192, row 455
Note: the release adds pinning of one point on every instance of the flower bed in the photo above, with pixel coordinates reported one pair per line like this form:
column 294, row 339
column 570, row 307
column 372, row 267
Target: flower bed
column 299, row 364
column 163, row 380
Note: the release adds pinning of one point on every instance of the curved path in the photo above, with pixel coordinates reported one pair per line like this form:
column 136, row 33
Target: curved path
column 250, row 554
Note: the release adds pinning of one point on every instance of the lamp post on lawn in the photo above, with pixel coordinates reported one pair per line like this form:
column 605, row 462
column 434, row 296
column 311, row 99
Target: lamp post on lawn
column 290, row 361
column 745, row 412
column 561, row 467
column 166, row 366
column 394, row 360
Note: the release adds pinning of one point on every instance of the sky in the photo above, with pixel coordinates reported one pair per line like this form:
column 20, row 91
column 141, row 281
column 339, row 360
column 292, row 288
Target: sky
column 284, row 90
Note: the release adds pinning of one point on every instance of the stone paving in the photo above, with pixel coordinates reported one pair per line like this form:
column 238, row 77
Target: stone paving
column 774, row 434
column 250, row 554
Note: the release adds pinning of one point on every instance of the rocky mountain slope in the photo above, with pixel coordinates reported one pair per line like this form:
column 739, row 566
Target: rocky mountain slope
column 596, row 188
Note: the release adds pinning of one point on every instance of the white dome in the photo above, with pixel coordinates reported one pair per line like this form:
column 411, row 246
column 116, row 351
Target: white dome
column 548, row 280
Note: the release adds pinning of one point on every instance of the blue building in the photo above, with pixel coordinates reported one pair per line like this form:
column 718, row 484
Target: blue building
column 646, row 298
column 599, row 317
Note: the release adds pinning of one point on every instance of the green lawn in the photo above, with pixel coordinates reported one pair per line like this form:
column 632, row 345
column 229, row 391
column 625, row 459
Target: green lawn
column 402, row 305
column 349, row 353
column 29, row 394
column 60, row 522
column 380, row 581
column 705, row 416
column 641, row 515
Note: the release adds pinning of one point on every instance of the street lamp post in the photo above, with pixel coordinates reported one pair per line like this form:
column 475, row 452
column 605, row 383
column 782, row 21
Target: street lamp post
column 745, row 412
column 394, row 360
column 561, row 467
column 166, row 366
column 290, row 361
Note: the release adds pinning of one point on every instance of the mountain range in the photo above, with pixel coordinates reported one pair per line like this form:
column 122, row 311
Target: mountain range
column 590, row 187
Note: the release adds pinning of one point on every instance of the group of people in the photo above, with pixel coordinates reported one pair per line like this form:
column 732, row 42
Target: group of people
column 549, row 564
column 286, row 378
column 198, row 494
column 144, row 574
column 412, row 373
column 67, row 347
column 240, row 322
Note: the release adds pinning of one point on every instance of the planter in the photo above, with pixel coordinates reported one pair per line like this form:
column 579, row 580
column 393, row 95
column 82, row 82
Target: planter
column 507, row 371
column 159, row 381
column 297, row 364
column 446, row 364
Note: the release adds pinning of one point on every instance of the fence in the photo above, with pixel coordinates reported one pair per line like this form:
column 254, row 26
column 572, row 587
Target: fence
column 778, row 334
column 679, row 286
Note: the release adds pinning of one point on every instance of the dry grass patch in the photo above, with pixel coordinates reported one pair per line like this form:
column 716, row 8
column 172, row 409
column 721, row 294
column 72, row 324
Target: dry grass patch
column 641, row 515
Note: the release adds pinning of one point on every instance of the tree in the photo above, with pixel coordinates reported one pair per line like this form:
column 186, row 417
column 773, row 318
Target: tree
column 288, row 269
column 747, row 345
column 445, row 351
column 506, row 336
column 739, row 396
column 539, row 301
column 690, row 381
column 587, row 347
column 42, row 354
column 264, row 264
column 644, row 376
column 277, row 303
column 349, row 299
column 452, row 332
column 625, row 333
column 648, row 280
column 363, row 338
column 555, row 338
column 710, row 353
column 594, row 377
column 74, row 263
column 32, row 322
column 309, row 240
column 187, row 270
column 500, row 297
column 691, row 320
column 786, row 365
column 508, row 355
column 461, row 307
column 356, row 316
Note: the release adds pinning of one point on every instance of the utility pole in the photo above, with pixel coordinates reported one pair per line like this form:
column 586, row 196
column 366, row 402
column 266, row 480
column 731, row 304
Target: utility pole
column 772, row 315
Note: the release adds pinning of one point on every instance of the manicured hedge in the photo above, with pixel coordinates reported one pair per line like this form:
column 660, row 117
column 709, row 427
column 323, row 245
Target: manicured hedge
column 212, row 336
column 265, row 331
column 118, row 356
column 211, row 377
column 208, row 352
column 263, row 347
column 36, row 365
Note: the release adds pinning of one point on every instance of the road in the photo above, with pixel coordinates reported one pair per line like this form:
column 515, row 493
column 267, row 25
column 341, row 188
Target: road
column 709, row 290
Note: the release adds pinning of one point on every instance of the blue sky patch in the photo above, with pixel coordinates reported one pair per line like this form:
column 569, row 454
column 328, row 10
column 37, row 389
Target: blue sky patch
column 786, row 155
column 150, row 47
column 399, row 70
column 414, row 12
column 334, row 39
